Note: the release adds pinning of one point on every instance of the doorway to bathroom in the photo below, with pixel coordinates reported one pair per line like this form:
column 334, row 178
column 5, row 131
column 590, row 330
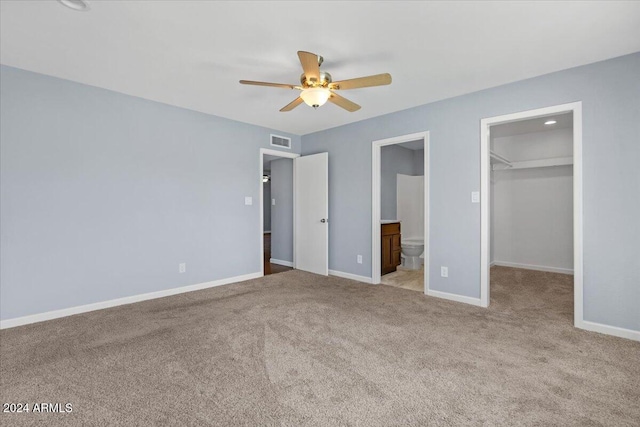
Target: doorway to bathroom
column 400, row 212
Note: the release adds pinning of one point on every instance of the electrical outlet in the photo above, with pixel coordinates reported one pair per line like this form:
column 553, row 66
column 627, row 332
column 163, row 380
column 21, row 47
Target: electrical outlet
column 359, row 259
column 273, row 202
column 444, row 271
column 248, row 201
column 475, row 197
column 182, row 267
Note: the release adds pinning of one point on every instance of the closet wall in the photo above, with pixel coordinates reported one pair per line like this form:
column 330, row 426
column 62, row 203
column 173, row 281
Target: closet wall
column 532, row 208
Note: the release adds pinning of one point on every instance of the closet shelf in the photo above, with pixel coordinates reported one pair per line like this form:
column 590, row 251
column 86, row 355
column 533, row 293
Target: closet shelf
column 540, row 163
column 499, row 158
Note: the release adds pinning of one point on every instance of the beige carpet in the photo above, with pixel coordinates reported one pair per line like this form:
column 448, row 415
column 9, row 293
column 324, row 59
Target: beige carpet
column 297, row 349
column 405, row 279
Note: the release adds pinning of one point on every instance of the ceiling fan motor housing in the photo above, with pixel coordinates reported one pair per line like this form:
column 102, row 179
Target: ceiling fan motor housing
column 325, row 79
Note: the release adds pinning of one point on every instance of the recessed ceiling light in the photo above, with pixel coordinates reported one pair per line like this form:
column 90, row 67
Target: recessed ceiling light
column 550, row 122
column 78, row 5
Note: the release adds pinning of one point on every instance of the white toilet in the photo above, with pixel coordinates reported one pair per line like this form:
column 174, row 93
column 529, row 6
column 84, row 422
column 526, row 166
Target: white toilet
column 411, row 251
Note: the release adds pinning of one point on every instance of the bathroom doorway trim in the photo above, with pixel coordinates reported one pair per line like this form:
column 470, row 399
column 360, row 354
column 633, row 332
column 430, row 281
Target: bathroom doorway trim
column 376, row 149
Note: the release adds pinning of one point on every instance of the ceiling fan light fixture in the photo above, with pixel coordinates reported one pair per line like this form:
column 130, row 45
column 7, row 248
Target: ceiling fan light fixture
column 315, row 97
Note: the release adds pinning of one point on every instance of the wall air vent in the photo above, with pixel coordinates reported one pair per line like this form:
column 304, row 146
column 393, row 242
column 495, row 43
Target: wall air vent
column 280, row 141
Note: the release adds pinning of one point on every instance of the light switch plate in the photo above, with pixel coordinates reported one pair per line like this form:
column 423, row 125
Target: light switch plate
column 248, row 200
column 273, row 202
column 475, row 197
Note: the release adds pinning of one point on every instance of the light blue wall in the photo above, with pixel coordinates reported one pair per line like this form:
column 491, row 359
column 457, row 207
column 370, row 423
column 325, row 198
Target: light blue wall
column 610, row 95
column 393, row 160
column 104, row 194
column 282, row 212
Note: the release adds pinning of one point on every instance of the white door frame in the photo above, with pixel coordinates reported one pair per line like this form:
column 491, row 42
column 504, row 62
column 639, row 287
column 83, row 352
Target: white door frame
column 287, row 155
column 485, row 188
column 375, row 202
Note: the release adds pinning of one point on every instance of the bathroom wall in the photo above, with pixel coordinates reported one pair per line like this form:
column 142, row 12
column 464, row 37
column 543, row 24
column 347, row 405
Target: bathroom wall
column 394, row 160
column 282, row 211
column 411, row 206
column 418, row 162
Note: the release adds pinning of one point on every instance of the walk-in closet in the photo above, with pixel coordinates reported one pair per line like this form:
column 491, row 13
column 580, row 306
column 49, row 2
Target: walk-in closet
column 532, row 198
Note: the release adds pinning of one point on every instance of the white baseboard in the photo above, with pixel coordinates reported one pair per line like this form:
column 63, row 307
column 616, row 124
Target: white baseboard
column 344, row 275
column 454, row 297
column 609, row 330
column 533, row 267
column 50, row 315
column 281, row 262
column 492, row 263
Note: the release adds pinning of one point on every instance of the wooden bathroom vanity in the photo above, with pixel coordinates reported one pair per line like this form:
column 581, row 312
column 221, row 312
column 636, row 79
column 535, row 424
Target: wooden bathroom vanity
column 390, row 247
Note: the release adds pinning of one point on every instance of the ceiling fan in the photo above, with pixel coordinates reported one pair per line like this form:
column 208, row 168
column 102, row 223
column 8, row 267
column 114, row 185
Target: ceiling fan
column 318, row 88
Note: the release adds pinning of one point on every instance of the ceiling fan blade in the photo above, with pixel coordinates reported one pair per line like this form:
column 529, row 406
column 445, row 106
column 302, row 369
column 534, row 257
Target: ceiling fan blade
column 282, row 85
column 310, row 65
column 377, row 80
column 343, row 102
column 293, row 104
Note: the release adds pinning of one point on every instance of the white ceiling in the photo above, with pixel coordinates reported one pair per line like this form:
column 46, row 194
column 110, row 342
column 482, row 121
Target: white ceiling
column 563, row 121
column 192, row 53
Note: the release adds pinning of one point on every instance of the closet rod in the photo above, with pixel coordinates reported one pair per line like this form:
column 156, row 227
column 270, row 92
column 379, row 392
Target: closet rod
column 499, row 158
column 542, row 163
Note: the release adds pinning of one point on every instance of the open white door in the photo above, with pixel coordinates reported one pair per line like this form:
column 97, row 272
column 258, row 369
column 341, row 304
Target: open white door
column 312, row 213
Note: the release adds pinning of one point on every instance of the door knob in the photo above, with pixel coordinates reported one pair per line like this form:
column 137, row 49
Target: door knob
column 323, row 220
